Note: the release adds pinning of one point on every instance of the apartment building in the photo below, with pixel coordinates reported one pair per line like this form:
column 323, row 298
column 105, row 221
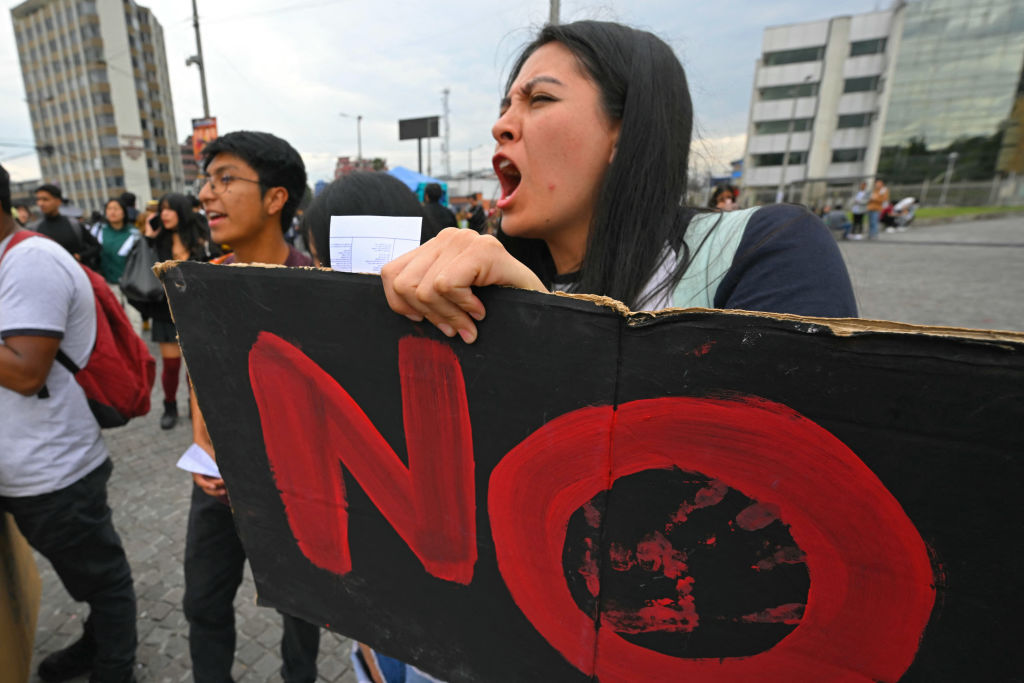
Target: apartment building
column 99, row 98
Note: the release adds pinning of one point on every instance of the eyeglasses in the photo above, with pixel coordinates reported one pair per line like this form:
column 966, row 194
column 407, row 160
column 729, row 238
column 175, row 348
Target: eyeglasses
column 219, row 184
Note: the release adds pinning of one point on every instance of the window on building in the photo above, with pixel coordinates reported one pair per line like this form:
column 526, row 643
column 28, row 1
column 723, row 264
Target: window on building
column 87, row 6
column 862, row 84
column 775, row 159
column 874, row 46
column 842, row 156
column 108, row 141
column 775, row 127
column 855, row 120
column 784, row 92
column 804, row 54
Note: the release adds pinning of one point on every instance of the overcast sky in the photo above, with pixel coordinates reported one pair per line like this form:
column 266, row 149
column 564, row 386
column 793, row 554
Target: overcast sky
column 292, row 67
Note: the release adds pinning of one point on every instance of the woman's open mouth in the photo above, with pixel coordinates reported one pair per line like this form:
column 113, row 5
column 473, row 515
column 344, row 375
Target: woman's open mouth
column 509, row 177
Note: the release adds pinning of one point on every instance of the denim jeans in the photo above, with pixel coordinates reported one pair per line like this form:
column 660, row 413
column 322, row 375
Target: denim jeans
column 872, row 224
column 72, row 528
column 214, row 560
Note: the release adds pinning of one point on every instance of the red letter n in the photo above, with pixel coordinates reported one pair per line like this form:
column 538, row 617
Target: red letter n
column 310, row 423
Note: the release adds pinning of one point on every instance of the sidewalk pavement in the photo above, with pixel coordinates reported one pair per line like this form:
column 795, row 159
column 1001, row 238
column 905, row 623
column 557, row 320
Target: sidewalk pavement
column 150, row 500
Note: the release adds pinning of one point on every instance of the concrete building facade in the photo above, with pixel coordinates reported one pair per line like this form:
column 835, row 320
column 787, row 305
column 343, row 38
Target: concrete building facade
column 99, row 97
column 840, row 100
column 819, row 103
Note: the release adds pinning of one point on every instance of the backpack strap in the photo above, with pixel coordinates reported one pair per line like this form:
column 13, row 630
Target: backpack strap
column 20, row 236
column 711, row 243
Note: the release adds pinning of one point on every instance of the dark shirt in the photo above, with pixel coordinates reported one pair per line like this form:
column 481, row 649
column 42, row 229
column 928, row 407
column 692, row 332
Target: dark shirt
column 477, row 218
column 69, row 234
column 440, row 216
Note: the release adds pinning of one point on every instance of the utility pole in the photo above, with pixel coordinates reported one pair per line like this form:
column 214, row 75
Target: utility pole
column 197, row 59
column 446, row 143
column 553, row 18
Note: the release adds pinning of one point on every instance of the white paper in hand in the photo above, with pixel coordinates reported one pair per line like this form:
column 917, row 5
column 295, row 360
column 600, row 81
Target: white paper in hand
column 363, row 244
column 195, row 459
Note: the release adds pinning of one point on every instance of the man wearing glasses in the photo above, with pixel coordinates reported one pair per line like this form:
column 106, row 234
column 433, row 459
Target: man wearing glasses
column 254, row 182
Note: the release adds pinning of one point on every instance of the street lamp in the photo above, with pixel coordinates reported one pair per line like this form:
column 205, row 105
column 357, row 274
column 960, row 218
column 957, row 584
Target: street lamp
column 780, row 193
column 359, row 135
column 950, row 165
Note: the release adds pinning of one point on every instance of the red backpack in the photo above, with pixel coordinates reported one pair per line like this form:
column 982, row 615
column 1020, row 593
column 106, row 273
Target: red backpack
column 119, row 376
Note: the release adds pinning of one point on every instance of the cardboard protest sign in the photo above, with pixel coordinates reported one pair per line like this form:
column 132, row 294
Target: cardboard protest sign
column 587, row 494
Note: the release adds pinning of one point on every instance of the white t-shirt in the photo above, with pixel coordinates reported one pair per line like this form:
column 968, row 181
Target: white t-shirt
column 49, row 443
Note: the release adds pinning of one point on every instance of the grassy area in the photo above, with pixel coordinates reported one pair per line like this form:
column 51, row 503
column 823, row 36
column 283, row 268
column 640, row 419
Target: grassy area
column 953, row 211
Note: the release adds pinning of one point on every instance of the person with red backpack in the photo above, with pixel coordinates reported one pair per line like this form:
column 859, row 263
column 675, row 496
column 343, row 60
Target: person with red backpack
column 54, row 464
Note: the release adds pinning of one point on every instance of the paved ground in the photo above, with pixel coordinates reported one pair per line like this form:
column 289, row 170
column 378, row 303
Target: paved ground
column 962, row 274
column 968, row 274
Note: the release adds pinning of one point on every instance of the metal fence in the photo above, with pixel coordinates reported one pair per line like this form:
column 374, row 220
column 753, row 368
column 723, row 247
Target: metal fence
column 1007, row 191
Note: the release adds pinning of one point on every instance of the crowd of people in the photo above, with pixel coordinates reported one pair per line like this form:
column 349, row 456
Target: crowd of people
column 592, row 145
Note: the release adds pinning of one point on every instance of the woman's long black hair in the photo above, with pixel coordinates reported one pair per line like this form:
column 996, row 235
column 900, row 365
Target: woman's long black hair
column 192, row 229
column 639, row 210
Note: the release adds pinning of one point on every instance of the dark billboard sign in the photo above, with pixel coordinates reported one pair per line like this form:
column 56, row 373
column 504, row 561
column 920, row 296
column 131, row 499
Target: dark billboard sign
column 413, row 129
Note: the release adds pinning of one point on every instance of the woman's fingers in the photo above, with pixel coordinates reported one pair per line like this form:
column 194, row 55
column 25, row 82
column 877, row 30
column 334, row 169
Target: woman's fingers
column 435, row 281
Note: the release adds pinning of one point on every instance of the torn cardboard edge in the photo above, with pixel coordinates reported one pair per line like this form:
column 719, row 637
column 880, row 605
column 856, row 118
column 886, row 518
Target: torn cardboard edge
column 840, row 327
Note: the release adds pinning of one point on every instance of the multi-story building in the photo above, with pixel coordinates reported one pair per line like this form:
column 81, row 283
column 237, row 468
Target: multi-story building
column 819, row 105
column 895, row 92
column 99, row 98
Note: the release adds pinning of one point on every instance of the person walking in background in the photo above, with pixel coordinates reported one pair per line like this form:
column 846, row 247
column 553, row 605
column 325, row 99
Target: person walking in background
column 116, row 236
column 22, row 215
column 879, row 198
column 723, row 198
column 477, row 216
column 177, row 234
column 67, row 232
column 858, row 207
column 440, row 215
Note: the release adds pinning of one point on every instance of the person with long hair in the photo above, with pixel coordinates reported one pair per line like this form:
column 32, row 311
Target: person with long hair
column 179, row 234
column 592, row 145
column 116, row 236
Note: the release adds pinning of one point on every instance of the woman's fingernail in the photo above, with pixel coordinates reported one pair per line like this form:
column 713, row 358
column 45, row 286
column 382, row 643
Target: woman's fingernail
column 446, row 329
column 413, row 317
column 476, row 316
column 468, row 336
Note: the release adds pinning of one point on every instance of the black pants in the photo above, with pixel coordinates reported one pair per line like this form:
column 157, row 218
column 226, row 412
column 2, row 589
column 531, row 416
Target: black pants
column 214, row 560
column 858, row 223
column 72, row 528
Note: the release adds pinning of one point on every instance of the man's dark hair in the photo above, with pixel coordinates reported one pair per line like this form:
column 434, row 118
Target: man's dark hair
column 127, row 200
column 276, row 163
column 433, row 192
column 5, row 190
column 51, row 189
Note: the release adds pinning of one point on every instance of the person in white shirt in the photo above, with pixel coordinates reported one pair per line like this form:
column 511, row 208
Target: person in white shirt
column 54, row 465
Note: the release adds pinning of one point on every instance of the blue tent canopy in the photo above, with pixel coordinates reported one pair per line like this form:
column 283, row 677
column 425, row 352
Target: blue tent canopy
column 417, row 181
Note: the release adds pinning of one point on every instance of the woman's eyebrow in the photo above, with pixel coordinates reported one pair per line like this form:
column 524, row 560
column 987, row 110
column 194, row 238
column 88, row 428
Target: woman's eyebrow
column 527, row 88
